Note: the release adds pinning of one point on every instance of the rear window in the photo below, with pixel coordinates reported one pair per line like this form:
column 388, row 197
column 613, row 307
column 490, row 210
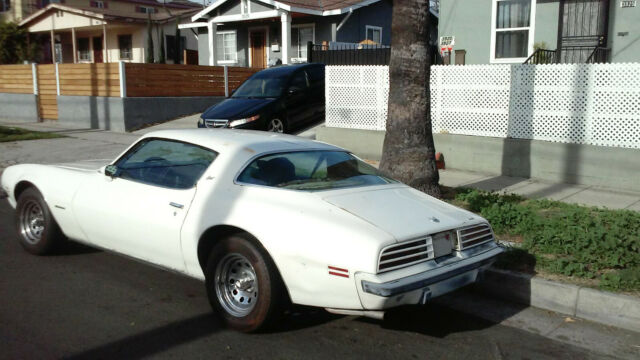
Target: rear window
column 312, row 170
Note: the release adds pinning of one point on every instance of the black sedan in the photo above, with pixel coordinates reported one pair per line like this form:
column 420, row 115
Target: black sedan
column 274, row 99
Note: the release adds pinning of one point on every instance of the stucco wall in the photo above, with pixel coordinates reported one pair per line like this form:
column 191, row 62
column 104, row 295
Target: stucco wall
column 470, row 23
column 127, row 114
column 611, row 167
column 624, row 48
column 18, row 107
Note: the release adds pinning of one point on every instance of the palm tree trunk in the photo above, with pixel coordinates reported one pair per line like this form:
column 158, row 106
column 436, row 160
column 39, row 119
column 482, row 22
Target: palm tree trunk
column 408, row 152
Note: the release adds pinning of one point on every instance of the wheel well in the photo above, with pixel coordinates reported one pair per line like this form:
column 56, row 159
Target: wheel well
column 211, row 237
column 20, row 187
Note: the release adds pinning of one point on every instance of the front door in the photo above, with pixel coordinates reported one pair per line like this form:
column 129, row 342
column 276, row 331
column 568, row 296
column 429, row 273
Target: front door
column 97, row 50
column 140, row 210
column 584, row 31
column 258, row 48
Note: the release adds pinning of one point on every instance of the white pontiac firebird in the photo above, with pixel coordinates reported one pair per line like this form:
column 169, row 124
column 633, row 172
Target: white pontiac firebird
column 263, row 219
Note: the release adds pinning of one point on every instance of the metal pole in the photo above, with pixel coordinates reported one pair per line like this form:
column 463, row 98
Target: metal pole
column 123, row 79
column 34, row 75
column 57, row 80
column 226, row 81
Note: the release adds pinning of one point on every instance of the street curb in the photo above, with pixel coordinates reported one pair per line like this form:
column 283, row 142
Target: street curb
column 603, row 307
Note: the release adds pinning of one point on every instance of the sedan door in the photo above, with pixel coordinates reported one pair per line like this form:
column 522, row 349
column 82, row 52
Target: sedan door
column 296, row 101
column 140, row 209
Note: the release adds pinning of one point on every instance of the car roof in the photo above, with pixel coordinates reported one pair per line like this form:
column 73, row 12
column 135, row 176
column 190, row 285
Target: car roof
column 252, row 141
column 288, row 69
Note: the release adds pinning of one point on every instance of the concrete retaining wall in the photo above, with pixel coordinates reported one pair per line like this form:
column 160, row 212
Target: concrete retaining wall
column 611, row 167
column 126, row 114
column 18, row 107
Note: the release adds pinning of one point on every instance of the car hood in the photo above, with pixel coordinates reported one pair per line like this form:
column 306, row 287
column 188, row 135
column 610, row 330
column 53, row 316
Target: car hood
column 85, row 164
column 402, row 211
column 236, row 108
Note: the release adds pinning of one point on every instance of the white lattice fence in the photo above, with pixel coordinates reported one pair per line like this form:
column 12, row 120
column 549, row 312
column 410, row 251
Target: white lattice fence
column 357, row 96
column 597, row 104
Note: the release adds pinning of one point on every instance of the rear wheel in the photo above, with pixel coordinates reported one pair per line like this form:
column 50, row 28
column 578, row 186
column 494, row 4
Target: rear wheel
column 243, row 284
column 37, row 230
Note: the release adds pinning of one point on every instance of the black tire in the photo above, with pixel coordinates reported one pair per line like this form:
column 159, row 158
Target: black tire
column 270, row 293
column 37, row 230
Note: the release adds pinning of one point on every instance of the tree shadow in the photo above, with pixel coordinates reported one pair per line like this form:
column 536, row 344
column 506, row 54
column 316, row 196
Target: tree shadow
column 156, row 340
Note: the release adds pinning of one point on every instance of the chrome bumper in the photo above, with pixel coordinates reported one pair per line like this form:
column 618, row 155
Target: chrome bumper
column 420, row 287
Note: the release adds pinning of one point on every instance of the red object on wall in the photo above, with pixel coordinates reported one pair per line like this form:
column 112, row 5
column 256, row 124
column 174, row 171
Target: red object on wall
column 440, row 161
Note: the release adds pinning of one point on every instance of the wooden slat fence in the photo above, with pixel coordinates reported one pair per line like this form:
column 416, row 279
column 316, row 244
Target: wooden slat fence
column 47, row 92
column 89, row 79
column 16, row 79
column 145, row 80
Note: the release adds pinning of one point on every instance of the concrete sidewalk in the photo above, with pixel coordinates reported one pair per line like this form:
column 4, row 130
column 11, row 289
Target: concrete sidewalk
column 569, row 193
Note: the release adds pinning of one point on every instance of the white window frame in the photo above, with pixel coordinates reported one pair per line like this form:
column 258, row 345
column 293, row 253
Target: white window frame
column 530, row 28
column 372, row 27
column 227, row 62
column 298, row 26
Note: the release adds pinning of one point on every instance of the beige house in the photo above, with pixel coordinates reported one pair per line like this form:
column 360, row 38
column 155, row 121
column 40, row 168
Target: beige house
column 95, row 31
column 16, row 10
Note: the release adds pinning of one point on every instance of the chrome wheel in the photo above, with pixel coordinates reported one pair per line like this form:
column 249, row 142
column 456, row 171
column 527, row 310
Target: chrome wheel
column 276, row 125
column 236, row 285
column 31, row 222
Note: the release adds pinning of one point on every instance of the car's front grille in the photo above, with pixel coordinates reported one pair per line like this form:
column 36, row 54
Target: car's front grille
column 215, row 123
column 405, row 254
column 474, row 235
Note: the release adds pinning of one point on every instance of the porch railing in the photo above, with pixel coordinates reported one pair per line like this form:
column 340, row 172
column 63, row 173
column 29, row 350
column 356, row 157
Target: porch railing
column 542, row 56
column 570, row 55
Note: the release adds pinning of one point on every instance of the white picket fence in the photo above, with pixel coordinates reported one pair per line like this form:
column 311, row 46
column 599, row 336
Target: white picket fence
column 597, row 104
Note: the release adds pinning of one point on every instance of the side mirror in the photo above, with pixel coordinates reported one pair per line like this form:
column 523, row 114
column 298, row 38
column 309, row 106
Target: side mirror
column 111, row 171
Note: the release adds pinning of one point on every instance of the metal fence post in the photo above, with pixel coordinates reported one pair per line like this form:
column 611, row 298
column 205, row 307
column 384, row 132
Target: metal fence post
column 34, row 75
column 226, row 81
column 57, row 80
column 309, row 51
column 123, row 79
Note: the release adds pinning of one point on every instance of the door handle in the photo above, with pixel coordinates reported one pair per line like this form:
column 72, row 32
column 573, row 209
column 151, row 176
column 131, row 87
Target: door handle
column 176, row 205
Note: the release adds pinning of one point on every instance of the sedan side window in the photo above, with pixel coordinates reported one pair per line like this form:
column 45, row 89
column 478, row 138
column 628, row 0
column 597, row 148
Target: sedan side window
column 166, row 163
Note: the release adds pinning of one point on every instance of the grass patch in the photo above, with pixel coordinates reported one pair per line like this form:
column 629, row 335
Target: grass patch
column 565, row 239
column 17, row 134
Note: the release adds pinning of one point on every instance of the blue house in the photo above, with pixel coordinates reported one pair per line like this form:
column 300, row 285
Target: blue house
column 257, row 33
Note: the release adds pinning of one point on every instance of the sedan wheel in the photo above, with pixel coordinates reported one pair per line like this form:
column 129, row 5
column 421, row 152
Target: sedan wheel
column 243, row 284
column 276, row 125
column 37, row 230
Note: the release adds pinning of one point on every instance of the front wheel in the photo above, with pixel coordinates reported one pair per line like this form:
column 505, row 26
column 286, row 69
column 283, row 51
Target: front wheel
column 277, row 125
column 37, row 230
column 243, row 284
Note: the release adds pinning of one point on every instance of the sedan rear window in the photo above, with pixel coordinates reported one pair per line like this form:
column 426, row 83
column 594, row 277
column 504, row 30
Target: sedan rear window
column 312, row 170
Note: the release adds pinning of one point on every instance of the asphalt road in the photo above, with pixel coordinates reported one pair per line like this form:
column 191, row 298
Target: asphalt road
column 85, row 303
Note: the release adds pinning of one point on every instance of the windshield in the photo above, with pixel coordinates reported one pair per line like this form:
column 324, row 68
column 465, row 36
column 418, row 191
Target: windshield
column 262, row 85
column 312, row 170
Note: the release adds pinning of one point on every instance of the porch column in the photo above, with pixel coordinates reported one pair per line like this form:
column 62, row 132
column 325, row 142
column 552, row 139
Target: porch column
column 53, row 47
column 211, row 28
column 105, row 52
column 285, row 18
column 75, row 52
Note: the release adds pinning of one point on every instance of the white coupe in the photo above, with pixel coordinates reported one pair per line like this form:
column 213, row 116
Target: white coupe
column 263, row 219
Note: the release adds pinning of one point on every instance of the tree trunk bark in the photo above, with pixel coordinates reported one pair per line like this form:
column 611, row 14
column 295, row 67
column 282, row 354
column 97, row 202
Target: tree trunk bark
column 408, row 153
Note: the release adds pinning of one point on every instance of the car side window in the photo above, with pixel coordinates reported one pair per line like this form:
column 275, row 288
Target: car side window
column 299, row 81
column 316, row 74
column 165, row 163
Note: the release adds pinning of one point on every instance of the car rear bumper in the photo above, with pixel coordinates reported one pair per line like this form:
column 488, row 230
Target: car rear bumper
column 383, row 292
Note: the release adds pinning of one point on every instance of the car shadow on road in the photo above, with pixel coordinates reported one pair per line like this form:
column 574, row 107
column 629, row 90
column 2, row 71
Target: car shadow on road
column 70, row 248
column 155, row 340
column 298, row 317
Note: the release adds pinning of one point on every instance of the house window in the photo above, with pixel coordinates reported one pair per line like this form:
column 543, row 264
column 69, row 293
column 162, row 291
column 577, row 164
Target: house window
column 98, row 4
column 84, row 52
column 145, row 9
column 124, row 44
column 226, row 52
column 374, row 33
column 512, row 30
column 300, row 36
column 5, row 5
